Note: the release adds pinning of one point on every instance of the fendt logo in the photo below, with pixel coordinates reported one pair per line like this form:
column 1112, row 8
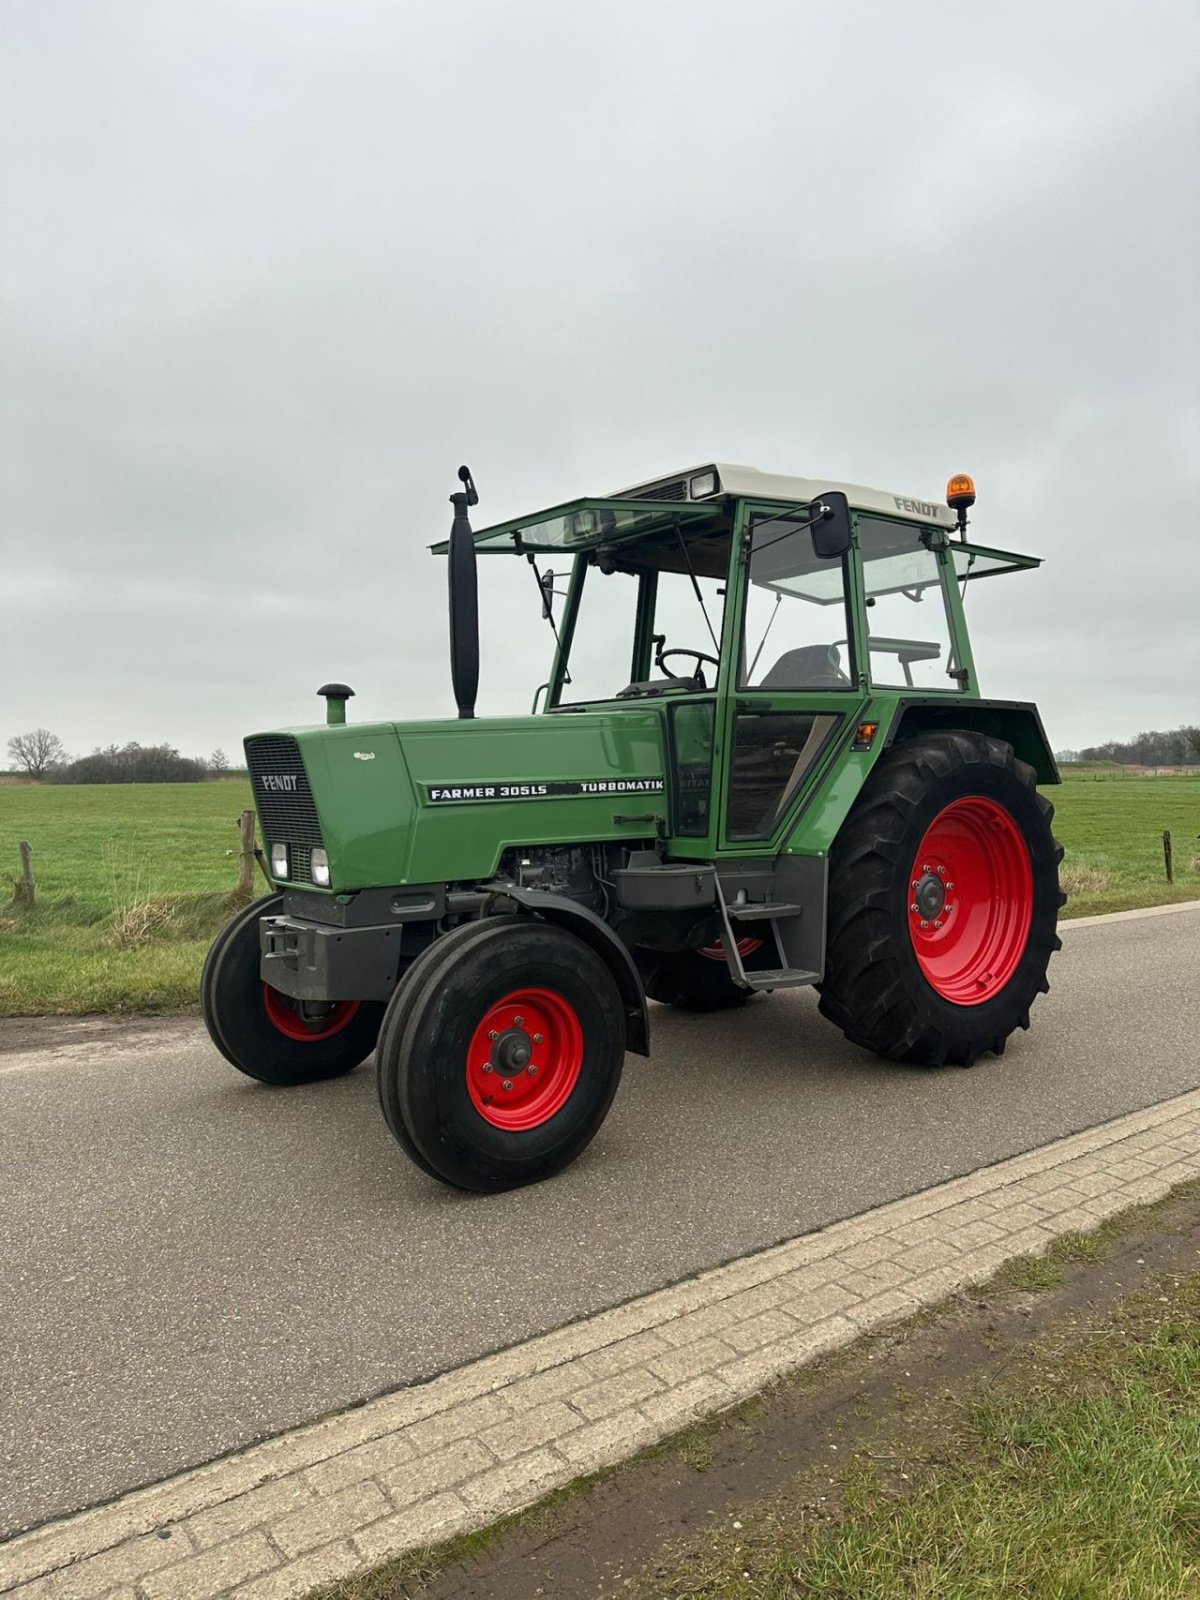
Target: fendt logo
column 279, row 782
column 917, row 508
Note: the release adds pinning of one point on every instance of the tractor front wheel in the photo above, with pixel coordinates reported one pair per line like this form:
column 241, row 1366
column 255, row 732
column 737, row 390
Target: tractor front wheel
column 500, row 1053
column 265, row 1033
column 943, row 902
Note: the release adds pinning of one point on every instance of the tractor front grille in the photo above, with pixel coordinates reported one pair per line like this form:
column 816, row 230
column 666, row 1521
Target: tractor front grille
column 285, row 809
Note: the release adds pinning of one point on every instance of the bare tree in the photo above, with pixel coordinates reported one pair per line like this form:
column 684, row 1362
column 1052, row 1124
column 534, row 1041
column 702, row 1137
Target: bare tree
column 37, row 752
column 1191, row 737
column 218, row 762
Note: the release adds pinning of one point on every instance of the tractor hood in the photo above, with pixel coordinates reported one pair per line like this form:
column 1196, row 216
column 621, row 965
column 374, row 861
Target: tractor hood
column 439, row 802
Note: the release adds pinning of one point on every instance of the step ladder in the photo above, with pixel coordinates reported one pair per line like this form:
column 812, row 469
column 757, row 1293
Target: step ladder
column 779, row 914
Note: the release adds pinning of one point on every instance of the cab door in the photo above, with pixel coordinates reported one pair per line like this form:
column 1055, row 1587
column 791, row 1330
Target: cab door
column 795, row 685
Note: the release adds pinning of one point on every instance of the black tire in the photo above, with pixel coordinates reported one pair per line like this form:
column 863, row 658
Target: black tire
column 877, row 988
column 689, row 981
column 233, row 1004
column 430, row 1075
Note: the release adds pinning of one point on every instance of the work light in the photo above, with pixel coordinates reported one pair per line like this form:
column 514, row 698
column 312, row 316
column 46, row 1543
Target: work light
column 279, row 861
column 705, row 483
column 318, row 865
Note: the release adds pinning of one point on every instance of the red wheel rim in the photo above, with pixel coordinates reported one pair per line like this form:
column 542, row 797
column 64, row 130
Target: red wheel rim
column 524, row 1058
column 285, row 1014
column 746, row 946
column 970, row 900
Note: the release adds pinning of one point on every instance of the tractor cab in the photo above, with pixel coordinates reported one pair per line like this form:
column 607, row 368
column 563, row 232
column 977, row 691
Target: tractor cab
column 759, row 615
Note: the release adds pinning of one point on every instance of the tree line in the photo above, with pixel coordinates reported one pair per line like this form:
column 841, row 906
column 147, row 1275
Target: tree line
column 42, row 755
column 1174, row 747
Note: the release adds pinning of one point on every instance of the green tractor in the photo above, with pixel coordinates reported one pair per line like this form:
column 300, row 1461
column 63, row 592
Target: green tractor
column 760, row 761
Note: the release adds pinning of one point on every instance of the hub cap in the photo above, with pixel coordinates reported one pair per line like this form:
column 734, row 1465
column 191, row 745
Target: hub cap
column 970, row 900
column 288, row 1016
column 524, row 1059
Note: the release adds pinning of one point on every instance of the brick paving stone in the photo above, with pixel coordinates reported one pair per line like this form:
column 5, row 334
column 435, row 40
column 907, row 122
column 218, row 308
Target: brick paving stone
column 515, row 1484
column 330, row 1517
column 626, row 1389
column 298, row 1578
column 749, row 1373
column 688, row 1402
column 598, row 1444
column 431, row 1521
column 264, row 1504
column 465, row 1420
column 519, row 1434
column 422, row 1478
column 214, row 1573
column 767, row 1328
column 365, row 1461
column 699, row 1324
column 618, row 1357
column 681, row 1365
column 123, row 1565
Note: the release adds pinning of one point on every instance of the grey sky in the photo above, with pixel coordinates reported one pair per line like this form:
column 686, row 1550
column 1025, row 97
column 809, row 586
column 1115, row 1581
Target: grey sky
column 272, row 268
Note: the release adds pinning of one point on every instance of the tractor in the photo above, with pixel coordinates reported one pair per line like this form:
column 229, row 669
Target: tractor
column 760, row 761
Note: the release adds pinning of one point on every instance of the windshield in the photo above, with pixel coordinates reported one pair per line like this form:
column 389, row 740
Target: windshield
column 647, row 626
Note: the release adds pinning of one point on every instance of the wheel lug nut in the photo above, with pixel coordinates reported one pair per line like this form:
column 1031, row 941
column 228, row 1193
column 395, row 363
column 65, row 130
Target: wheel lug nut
column 518, row 1022
column 914, row 906
column 937, row 924
column 924, row 924
column 487, row 1066
column 537, row 1038
column 924, row 868
column 507, row 1084
column 531, row 1070
column 949, row 886
column 492, row 1034
column 942, row 870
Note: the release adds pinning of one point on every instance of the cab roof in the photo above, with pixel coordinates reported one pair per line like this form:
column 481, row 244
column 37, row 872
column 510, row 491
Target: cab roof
column 673, row 501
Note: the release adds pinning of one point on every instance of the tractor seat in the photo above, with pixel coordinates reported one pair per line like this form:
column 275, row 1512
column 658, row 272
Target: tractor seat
column 812, row 666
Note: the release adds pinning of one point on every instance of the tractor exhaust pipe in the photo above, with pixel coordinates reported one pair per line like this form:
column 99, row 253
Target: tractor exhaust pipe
column 464, row 599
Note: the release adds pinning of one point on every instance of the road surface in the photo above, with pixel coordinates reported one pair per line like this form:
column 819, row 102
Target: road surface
column 190, row 1261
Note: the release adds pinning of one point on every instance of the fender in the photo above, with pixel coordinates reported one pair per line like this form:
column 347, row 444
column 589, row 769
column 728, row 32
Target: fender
column 1018, row 722
column 596, row 933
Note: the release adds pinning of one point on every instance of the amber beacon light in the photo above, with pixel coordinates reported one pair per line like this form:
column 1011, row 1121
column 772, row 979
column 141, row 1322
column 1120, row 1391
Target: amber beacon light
column 960, row 497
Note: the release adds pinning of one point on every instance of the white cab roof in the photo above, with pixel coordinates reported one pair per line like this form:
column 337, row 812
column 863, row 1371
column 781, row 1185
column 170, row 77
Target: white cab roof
column 755, row 485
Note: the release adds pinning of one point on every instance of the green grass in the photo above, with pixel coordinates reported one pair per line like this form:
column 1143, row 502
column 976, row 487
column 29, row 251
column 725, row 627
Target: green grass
column 132, row 882
column 1074, row 1475
column 1112, row 829
column 167, row 852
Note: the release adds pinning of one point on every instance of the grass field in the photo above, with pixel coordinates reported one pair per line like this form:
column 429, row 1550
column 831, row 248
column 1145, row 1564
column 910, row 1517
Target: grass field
column 133, row 879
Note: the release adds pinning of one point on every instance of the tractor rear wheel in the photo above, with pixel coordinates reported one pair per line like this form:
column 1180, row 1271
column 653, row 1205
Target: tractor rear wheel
column 500, row 1053
column 943, row 902
column 694, row 980
column 265, row 1033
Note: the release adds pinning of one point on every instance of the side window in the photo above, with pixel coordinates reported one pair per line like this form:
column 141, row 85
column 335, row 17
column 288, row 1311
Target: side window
column 908, row 627
column 600, row 661
column 796, row 627
column 773, row 753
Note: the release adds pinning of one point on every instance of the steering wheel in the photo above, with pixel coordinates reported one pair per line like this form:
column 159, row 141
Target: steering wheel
column 682, row 650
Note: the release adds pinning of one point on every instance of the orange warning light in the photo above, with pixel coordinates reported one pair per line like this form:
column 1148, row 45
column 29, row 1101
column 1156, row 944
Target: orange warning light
column 960, row 492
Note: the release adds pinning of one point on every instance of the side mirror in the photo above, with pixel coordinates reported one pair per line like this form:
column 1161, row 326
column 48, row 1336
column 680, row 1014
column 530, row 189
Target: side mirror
column 831, row 525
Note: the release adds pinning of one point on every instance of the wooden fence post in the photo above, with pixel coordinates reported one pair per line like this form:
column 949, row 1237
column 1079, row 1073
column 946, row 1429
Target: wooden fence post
column 246, row 855
column 1167, row 854
column 24, row 893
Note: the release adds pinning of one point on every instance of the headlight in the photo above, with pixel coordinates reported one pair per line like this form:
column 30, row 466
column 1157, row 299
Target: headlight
column 318, row 865
column 703, row 485
column 279, row 861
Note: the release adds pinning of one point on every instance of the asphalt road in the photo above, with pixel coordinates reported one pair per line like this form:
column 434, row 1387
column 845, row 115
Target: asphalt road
column 190, row 1261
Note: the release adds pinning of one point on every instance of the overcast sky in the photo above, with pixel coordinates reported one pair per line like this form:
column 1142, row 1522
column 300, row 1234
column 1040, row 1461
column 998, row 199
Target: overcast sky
column 272, row 268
